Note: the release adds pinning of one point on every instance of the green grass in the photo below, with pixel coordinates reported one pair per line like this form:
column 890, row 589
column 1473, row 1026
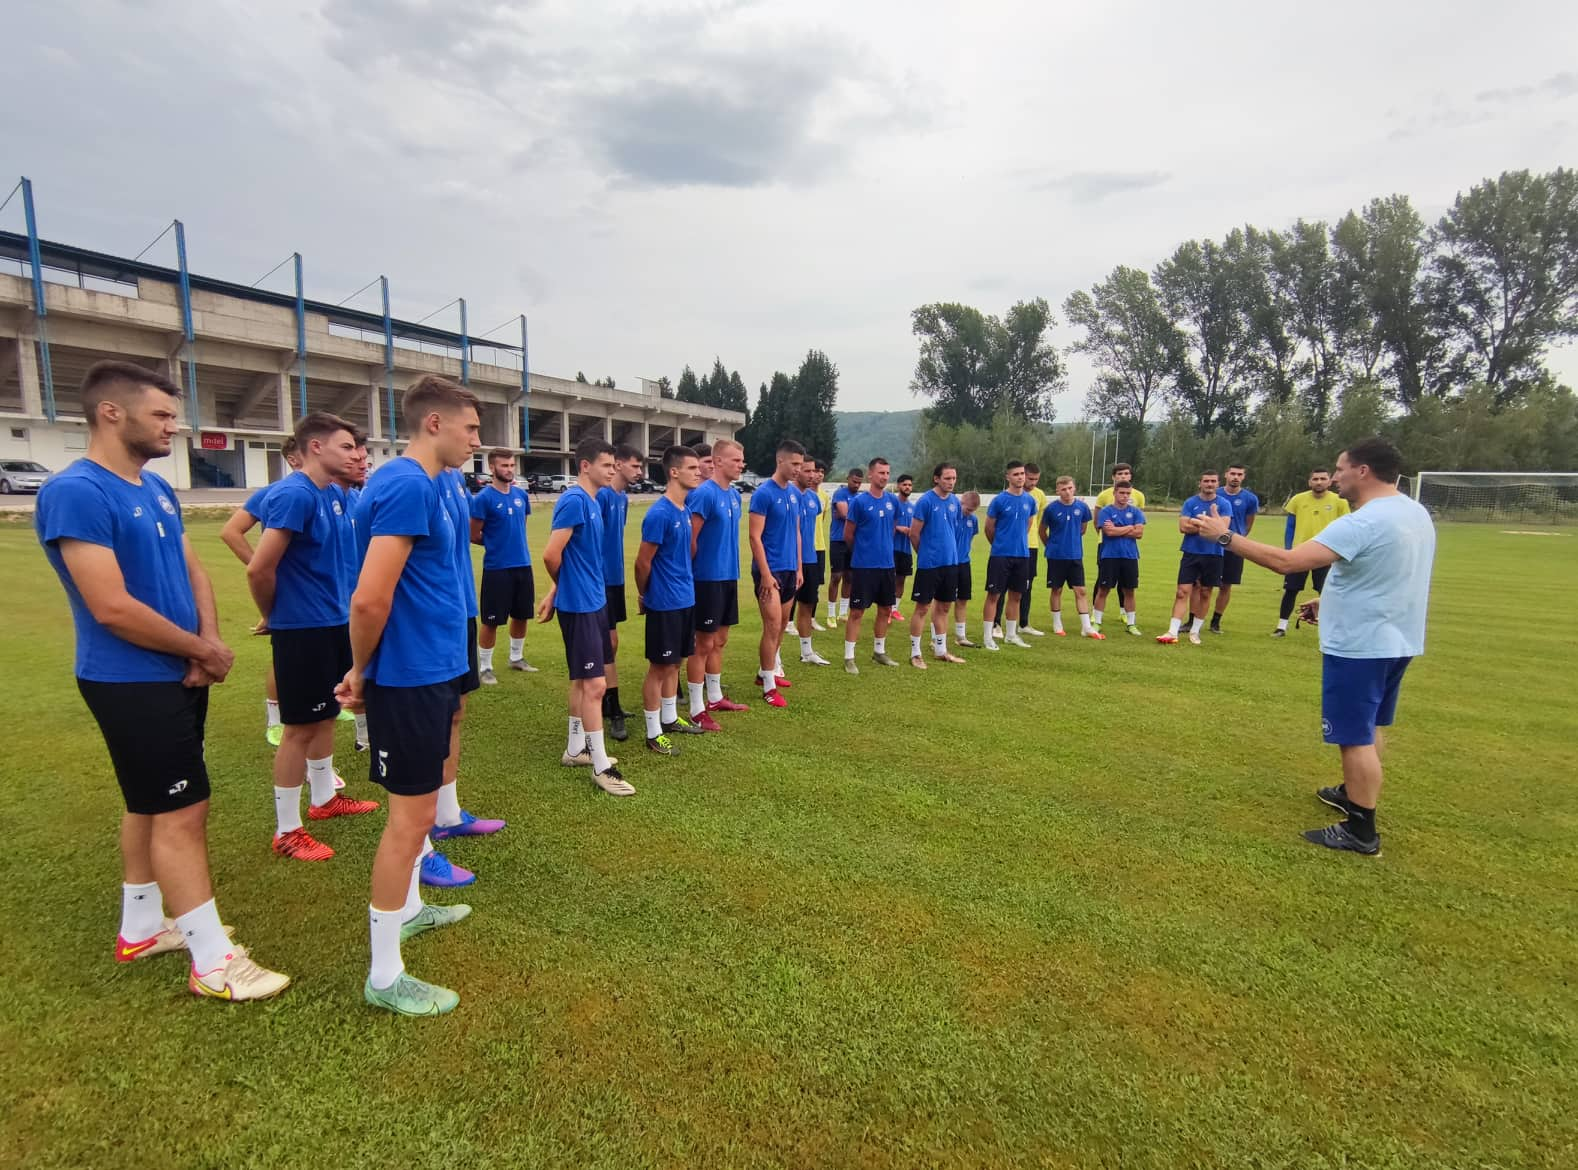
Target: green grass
column 1048, row 909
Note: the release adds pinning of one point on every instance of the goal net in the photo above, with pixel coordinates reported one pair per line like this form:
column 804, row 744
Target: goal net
column 1527, row 497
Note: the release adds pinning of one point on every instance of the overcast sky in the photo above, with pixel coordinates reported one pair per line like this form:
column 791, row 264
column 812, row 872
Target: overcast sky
column 653, row 184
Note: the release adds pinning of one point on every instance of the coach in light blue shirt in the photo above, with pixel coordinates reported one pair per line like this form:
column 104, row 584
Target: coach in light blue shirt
column 1371, row 617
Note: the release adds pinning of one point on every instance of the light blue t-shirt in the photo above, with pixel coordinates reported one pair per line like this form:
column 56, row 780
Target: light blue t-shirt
column 1376, row 596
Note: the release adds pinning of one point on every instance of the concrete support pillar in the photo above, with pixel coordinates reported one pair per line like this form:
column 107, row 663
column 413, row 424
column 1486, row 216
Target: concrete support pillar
column 608, row 428
column 564, row 431
column 375, row 416
column 646, row 439
column 512, row 427
column 287, row 417
column 27, row 374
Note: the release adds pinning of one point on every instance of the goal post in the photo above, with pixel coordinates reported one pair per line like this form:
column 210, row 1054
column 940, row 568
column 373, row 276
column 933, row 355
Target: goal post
column 1527, row 497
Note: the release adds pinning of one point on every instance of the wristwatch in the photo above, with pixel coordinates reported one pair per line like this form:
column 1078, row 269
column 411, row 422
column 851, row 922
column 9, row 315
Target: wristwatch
column 1225, row 539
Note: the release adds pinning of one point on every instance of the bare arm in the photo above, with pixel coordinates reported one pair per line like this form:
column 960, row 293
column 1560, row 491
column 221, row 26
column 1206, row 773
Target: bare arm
column 263, row 569
column 476, row 532
column 1045, row 532
column 696, row 524
column 553, row 560
column 849, row 533
column 758, row 524
column 1310, row 555
column 234, row 534
column 990, row 528
column 370, row 605
column 915, row 531
column 643, row 566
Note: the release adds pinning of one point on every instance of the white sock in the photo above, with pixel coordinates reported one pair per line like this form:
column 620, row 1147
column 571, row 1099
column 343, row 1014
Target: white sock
column 880, row 645
column 987, row 632
column 205, row 937
column 361, row 729
column 142, row 911
column 1084, row 624
column 805, row 648
column 271, row 711
column 654, row 722
column 484, row 658
column 594, row 740
column 939, row 644
column 413, row 893
column 915, row 645
column 960, row 631
column 832, row 611
column 714, row 687
column 320, row 778
column 843, row 607
column 1095, row 617
column 577, row 741
column 668, row 706
column 1011, row 630
column 849, row 651
column 1283, row 624
column 517, row 649
column 1057, row 621
column 387, row 965
column 448, row 805
column 1194, row 626
column 778, row 664
column 1128, row 617
column 287, row 808
column 768, row 680
column 1172, row 626
column 698, row 697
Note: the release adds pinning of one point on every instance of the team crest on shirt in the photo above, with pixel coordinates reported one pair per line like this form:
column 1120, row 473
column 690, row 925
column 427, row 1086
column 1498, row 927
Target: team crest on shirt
column 164, row 502
column 137, row 512
column 338, row 511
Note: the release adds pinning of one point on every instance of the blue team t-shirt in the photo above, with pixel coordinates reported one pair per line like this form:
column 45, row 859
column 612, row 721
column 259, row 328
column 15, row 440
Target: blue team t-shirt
column 348, row 500
column 872, row 517
column 939, row 518
column 1065, row 541
column 903, row 511
column 1202, row 546
column 141, row 524
column 616, row 509
column 1245, row 504
column 1011, row 536
column 841, row 495
column 580, row 585
column 1123, row 548
column 1376, row 597
column 810, row 505
column 780, row 526
column 424, row 640
column 718, row 542
column 309, row 583
column 503, row 515
column 457, row 502
column 968, row 527
column 257, row 501
column 670, row 585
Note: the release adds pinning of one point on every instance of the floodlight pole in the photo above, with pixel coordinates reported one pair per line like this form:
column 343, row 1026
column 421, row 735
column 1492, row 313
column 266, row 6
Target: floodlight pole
column 40, row 310
column 383, row 285
column 188, row 334
column 301, row 340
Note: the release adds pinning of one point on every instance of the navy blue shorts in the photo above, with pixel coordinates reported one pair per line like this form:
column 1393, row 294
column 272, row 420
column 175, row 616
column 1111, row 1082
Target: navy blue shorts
column 964, row 580
column 838, row 556
column 903, row 562
column 472, row 679
column 408, row 734
column 1202, row 569
column 939, row 583
column 1008, row 574
column 308, row 665
column 870, row 587
column 1357, row 695
column 671, row 635
column 717, row 606
column 614, row 599
column 588, row 643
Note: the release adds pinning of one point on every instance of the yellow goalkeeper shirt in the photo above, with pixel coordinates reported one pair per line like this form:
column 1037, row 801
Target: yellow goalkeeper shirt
column 1136, row 497
column 1311, row 513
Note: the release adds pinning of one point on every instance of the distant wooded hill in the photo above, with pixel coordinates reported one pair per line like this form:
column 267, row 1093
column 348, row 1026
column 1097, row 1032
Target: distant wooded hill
column 865, row 434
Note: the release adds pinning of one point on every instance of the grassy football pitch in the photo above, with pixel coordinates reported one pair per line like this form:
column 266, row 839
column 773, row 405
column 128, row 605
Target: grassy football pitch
column 1046, row 909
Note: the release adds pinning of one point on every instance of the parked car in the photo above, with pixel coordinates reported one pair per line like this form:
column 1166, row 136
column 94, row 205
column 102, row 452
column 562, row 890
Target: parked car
column 650, row 486
column 476, row 481
column 558, row 483
column 748, row 482
column 22, row 475
column 535, row 483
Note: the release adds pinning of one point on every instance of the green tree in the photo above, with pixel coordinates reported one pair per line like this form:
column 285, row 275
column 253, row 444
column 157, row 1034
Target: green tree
column 1200, row 284
column 665, row 387
column 580, row 376
column 971, row 364
column 689, row 389
column 1385, row 251
column 1138, row 352
column 732, row 395
column 1504, row 279
column 815, row 400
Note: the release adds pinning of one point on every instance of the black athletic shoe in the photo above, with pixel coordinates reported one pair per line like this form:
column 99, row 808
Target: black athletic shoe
column 1337, row 798
column 616, row 727
column 662, row 745
column 682, row 726
column 1338, row 837
column 1279, row 633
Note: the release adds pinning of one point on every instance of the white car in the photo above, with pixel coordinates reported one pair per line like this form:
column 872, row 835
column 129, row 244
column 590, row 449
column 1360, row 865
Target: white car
column 21, row 475
column 558, row 483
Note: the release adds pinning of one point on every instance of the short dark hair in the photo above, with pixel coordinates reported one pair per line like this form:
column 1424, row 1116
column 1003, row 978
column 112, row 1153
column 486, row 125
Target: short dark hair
column 432, row 392
column 320, row 424
column 1320, row 471
column 821, row 464
column 702, row 450
column 1208, row 471
column 360, row 436
column 288, row 447
column 1117, row 467
column 1383, row 459
column 877, row 460
column 117, row 381
column 853, row 471
column 790, row 447
column 942, row 467
column 1236, row 467
column 1122, row 487
column 628, row 451
column 499, row 453
column 905, row 476
column 1032, row 469
column 676, row 455
column 591, row 449
column 1012, row 464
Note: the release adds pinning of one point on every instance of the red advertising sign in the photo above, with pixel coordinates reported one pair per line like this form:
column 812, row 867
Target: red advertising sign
column 210, row 441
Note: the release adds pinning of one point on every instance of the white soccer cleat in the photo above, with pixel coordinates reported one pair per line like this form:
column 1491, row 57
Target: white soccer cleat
column 1016, row 640
column 814, row 659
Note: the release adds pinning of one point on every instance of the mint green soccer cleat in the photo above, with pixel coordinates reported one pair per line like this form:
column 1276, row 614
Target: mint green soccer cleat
column 345, row 716
column 408, row 996
column 431, row 917
column 1136, row 631
column 275, row 735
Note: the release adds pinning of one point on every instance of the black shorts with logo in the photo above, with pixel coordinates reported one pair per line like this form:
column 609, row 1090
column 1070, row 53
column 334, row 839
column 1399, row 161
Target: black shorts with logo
column 588, row 643
column 154, row 732
column 308, row 665
column 870, row 587
column 785, row 579
column 838, row 556
column 1062, row 572
column 472, row 679
column 717, row 605
column 1296, row 581
column 508, row 595
column 1201, row 569
column 903, row 561
column 1232, row 569
column 1035, row 565
column 1118, row 573
column 811, row 576
column 671, row 635
column 939, row 583
column 408, row 735
column 964, row 581
column 1007, row 574
column 614, row 604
